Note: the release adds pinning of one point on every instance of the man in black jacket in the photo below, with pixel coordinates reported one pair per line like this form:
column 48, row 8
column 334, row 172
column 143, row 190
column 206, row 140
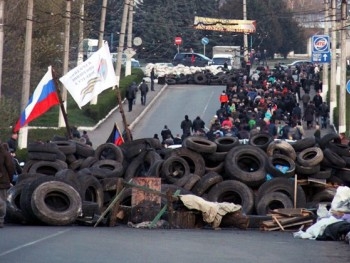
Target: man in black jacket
column 144, row 89
column 198, row 124
column 186, row 126
column 131, row 94
column 165, row 133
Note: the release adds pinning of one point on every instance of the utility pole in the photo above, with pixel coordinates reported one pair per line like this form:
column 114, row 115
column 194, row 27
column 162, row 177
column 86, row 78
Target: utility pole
column 81, row 33
column 342, row 90
column 119, row 61
column 23, row 132
column 2, row 6
column 245, row 35
column 129, row 52
column 325, row 65
column 122, row 40
column 61, row 121
column 100, row 36
column 333, row 93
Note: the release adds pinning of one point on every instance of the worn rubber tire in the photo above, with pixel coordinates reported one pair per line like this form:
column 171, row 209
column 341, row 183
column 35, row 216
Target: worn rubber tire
column 42, row 156
column 111, row 168
column 340, row 149
column 224, row 144
column 310, row 157
column 261, row 140
column 329, row 137
column 135, row 147
column 194, row 160
column 56, row 203
column 307, row 142
column 215, row 157
column 83, row 150
column 25, row 178
column 335, row 160
column 324, row 173
column 271, row 201
column 343, row 174
column 282, row 147
column 136, row 167
column 48, row 167
column 14, row 212
column 88, row 162
column 66, row 147
column 199, row 144
column 109, row 151
column 304, row 170
column 91, row 189
column 206, row 182
column 174, row 168
column 279, row 159
column 233, row 191
column 155, row 169
column 285, row 186
column 43, row 147
column 247, row 164
column 200, row 78
column 191, row 182
column 70, row 177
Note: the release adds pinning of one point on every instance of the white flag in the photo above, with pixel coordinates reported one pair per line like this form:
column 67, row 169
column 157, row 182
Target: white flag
column 91, row 77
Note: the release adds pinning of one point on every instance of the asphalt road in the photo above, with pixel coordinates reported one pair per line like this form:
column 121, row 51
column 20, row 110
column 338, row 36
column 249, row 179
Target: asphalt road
column 29, row 244
column 176, row 102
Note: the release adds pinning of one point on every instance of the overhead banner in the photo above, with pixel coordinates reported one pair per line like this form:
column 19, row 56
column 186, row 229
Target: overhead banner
column 225, row 25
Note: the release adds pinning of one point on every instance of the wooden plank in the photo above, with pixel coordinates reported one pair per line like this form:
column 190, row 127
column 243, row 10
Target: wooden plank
column 287, row 226
column 278, row 223
column 289, row 211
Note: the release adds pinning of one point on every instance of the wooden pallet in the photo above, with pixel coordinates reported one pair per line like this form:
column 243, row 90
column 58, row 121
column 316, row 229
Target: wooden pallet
column 288, row 219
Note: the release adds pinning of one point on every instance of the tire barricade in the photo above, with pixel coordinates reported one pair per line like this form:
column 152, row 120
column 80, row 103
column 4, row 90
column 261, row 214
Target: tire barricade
column 73, row 181
column 205, row 77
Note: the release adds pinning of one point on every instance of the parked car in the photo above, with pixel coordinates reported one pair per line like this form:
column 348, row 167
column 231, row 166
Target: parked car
column 299, row 63
column 191, row 59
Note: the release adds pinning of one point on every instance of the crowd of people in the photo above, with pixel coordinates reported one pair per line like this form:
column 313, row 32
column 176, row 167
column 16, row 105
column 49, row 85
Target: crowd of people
column 268, row 101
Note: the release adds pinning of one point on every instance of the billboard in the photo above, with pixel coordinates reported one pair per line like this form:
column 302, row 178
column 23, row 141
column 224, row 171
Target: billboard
column 225, row 25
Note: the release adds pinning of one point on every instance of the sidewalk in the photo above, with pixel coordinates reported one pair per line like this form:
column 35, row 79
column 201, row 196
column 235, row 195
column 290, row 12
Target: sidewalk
column 310, row 132
column 100, row 133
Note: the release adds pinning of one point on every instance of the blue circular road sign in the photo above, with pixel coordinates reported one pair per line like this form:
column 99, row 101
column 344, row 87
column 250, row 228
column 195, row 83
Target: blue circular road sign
column 205, row 41
column 348, row 86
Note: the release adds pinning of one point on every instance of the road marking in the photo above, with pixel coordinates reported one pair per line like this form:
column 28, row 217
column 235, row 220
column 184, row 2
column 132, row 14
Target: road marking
column 33, row 242
column 207, row 104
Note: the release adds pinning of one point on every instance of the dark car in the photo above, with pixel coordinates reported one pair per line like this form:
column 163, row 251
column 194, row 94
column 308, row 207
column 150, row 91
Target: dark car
column 191, row 59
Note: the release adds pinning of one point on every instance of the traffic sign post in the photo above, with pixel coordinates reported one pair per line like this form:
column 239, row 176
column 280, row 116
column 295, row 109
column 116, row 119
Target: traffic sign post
column 178, row 42
column 205, row 42
column 321, row 49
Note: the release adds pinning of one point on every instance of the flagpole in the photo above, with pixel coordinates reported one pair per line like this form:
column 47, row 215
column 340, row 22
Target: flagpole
column 64, row 113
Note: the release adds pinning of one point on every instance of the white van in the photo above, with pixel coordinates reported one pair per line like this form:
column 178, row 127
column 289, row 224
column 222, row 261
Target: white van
column 219, row 60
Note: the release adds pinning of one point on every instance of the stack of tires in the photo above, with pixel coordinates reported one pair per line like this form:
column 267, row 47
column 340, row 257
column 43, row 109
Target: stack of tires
column 65, row 180
column 205, row 77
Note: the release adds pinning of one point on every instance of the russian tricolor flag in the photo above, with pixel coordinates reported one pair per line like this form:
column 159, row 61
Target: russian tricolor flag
column 43, row 98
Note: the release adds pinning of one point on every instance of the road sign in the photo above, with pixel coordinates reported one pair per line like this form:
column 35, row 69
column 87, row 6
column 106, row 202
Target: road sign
column 320, row 43
column 205, row 41
column 348, row 86
column 321, row 57
column 321, row 49
column 178, row 40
